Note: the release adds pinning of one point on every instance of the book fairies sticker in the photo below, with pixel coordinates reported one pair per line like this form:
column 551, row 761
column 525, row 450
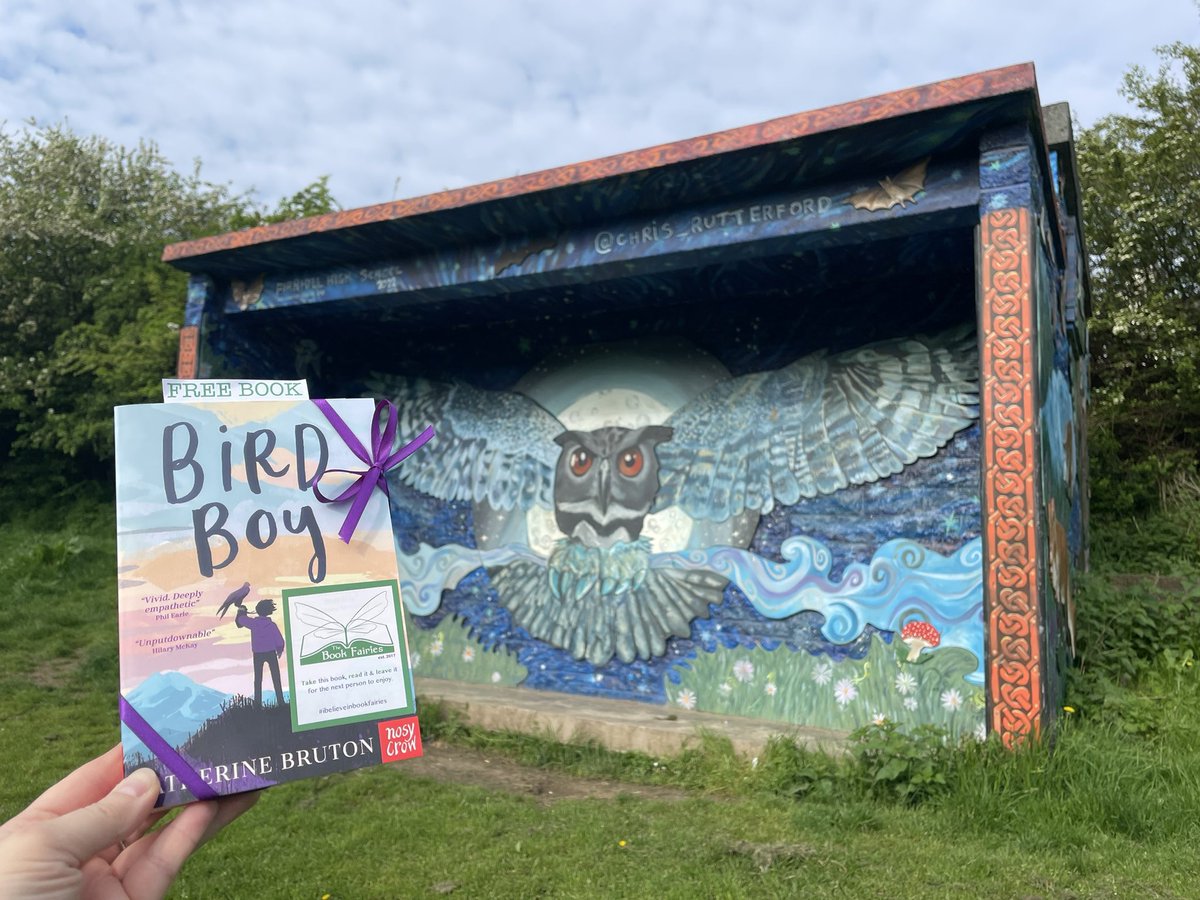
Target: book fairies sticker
column 330, row 639
column 346, row 653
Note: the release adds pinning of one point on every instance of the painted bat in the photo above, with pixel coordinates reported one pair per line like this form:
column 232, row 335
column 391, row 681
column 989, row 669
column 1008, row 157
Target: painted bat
column 891, row 191
column 246, row 293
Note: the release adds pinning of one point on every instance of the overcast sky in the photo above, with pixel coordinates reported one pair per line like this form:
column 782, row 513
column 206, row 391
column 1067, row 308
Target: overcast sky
column 396, row 99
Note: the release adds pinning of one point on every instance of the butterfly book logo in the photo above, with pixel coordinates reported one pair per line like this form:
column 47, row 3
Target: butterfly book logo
column 330, row 639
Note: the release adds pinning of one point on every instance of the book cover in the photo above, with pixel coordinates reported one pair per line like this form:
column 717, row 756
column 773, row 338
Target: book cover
column 257, row 644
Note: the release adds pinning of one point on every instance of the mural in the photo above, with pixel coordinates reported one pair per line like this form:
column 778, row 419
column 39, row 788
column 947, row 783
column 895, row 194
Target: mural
column 1062, row 370
column 653, row 483
column 630, row 516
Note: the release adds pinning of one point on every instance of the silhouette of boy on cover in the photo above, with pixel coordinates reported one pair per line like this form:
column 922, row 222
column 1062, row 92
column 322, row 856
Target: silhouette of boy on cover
column 266, row 642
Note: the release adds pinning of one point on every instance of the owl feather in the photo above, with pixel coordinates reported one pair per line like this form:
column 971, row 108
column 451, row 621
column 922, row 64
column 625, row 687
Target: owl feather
column 598, row 625
column 491, row 446
column 817, row 425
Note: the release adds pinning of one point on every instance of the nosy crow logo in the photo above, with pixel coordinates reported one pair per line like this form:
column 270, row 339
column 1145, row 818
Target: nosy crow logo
column 399, row 739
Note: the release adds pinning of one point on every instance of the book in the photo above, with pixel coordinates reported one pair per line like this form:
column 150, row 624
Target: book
column 257, row 644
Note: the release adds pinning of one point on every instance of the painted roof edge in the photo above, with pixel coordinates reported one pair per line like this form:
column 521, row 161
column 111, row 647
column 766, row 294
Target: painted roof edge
column 932, row 96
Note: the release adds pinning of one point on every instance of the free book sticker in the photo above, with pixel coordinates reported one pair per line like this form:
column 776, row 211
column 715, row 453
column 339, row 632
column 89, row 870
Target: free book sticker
column 346, row 654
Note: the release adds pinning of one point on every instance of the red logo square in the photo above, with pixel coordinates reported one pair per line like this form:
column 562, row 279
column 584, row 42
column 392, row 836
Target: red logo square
column 399, row 739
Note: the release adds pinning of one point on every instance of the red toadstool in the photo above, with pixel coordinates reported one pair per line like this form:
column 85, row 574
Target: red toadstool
column 919, row 635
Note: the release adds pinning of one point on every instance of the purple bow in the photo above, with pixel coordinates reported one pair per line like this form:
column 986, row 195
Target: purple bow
column 381, row 459
column 167, row 755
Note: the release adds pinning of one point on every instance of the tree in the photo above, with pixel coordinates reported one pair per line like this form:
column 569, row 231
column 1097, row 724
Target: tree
column 88, row 313
column 1141, row 186
column 312, row 200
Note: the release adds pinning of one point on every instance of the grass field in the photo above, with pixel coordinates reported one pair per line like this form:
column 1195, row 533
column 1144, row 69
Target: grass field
column 1113, row 812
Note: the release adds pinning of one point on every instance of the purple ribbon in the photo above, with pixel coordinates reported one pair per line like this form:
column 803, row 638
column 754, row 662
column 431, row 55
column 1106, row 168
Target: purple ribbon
column 168, row 755
column 382, row 458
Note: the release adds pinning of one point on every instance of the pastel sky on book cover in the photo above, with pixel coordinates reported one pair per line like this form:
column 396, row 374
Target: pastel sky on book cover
column 156, row 547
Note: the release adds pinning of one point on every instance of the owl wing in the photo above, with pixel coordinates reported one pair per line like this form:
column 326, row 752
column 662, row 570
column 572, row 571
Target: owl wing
column 493, row 446
column 818, row 425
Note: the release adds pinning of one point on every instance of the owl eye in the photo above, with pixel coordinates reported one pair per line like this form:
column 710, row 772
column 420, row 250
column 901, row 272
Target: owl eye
column 581, row 461
column 630, row 462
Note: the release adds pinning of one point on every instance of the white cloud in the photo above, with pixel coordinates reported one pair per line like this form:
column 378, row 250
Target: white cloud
column 444, row 93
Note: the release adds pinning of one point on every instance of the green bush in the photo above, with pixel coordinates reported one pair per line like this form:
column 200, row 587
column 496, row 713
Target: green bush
column 910, row 766
column 1165, row 541
column 790, row 770
column 1133, row 635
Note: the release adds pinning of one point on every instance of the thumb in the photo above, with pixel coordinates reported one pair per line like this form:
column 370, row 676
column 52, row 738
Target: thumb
column 85, row 832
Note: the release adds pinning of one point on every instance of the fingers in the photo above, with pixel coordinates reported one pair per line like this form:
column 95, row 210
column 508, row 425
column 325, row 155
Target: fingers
column 85, row 832
column 149, row 866
column 110, row 854
column 155, row 860
column 153, row 873
column 230, row 809
column 84, row 786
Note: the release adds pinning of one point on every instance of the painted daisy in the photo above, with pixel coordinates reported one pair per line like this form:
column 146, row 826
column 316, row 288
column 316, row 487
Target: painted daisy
column 497, row 678
column 844, row 691
column 823, row 673
column 910, row 703
column 771, row 689
column 468, row 654
column 743, row 670
column 951, row 700
column 436, row 646
column 725, row 688
column 879, row 719
column 906, row 682
column 686, row 699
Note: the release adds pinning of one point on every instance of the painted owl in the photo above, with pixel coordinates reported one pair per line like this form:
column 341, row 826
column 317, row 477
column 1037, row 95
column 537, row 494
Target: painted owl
column 736, row 449
column 605, row 483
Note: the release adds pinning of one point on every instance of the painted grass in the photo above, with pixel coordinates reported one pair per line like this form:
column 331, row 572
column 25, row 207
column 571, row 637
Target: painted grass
column 840, row 695
column 448, row 651
column 1109, row 814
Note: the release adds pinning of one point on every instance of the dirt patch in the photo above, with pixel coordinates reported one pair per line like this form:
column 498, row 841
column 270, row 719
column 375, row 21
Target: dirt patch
column 451, row 764
column 767, row 855
column 53, row 673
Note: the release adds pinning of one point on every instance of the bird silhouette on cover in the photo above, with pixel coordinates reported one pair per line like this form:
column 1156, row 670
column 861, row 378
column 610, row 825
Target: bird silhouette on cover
column 743, row 446
column 234, row 599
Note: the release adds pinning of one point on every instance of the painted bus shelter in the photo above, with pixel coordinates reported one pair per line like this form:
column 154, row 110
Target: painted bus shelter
column 783, row 422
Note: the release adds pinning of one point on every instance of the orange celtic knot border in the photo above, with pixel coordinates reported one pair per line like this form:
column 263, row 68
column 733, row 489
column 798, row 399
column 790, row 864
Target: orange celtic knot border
column 940, row 95
column 1011, row 603
column 189, row 352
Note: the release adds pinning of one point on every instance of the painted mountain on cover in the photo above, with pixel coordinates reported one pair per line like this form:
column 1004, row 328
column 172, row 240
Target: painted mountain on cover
column 257, row 646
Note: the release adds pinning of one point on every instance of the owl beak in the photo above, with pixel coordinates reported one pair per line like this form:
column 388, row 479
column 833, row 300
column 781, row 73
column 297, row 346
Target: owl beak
column 605, row 480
